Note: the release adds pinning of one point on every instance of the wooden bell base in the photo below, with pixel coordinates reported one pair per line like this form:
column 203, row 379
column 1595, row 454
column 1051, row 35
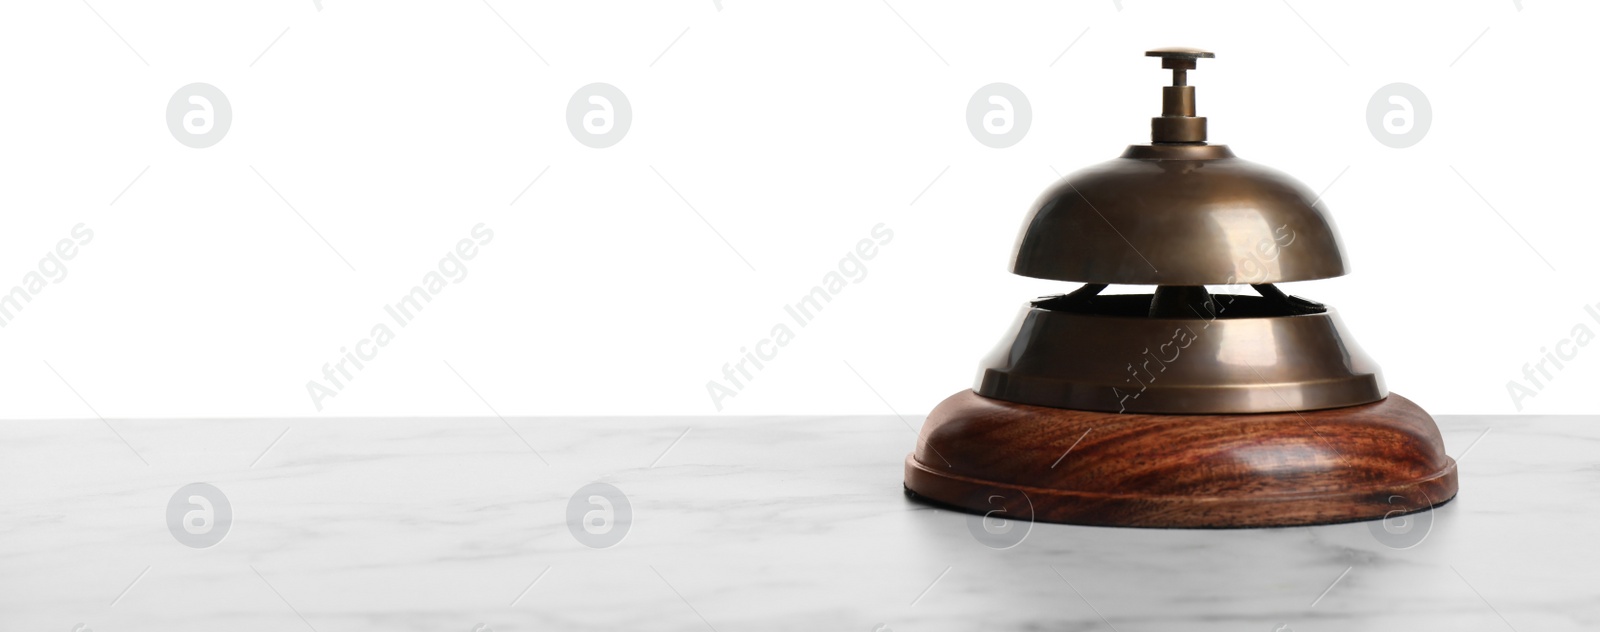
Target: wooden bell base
column 1181, row 471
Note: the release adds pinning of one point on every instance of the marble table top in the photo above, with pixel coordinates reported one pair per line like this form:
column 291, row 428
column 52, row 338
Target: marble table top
column 723, row 524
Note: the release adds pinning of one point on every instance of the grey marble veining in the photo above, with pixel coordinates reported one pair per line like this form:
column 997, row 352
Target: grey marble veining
column 737, row 524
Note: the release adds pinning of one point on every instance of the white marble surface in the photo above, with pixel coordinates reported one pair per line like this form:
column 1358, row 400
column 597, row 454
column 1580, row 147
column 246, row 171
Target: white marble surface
column 743, row 524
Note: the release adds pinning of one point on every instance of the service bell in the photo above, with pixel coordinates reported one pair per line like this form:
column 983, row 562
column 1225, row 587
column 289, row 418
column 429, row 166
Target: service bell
column 1184, row 407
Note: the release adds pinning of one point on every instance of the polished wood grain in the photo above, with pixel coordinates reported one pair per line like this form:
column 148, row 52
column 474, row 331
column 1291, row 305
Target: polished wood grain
column 1145, row 470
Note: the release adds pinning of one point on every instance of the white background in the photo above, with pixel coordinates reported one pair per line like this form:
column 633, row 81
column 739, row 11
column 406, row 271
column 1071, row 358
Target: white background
column 792, row 128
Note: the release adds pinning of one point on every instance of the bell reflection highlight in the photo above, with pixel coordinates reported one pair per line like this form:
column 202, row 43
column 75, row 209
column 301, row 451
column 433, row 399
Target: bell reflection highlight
column 1252, row 353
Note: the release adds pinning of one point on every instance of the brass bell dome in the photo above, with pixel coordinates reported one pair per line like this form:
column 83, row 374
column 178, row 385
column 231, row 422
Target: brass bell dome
column 1178, row 212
